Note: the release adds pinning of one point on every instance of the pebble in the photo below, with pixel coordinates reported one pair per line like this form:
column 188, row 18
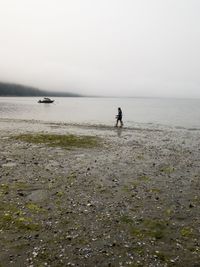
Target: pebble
column 9, row 165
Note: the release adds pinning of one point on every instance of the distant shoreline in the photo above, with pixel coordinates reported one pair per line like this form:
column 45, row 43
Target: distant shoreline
column 18, row 90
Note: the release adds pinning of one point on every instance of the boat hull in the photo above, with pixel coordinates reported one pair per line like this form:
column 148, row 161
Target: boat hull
column 45, row 101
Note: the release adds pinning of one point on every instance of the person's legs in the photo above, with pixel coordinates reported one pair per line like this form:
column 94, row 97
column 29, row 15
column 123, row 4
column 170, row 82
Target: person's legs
column 116, row 123
column 121, row 122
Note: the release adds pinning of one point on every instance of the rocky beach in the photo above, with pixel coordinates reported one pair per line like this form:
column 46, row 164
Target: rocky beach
column 89, row 195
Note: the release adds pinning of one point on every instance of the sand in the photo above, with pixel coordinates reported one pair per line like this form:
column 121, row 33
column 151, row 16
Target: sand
column 131, row 201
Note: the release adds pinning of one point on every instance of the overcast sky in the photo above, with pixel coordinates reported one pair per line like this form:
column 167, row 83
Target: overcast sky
column 102, row 47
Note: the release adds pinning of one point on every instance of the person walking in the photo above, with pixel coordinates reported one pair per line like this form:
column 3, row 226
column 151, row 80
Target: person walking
column 119, row 118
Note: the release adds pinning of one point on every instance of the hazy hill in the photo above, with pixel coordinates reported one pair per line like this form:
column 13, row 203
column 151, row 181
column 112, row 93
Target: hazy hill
column 9, row 89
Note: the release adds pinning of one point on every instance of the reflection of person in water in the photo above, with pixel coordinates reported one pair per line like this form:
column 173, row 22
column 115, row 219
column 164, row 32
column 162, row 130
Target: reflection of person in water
column 119, row 118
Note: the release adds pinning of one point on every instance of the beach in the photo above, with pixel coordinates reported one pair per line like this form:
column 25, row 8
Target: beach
column 127, row 197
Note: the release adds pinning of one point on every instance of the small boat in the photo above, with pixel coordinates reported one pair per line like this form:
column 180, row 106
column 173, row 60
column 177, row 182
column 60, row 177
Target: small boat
column 46, row 100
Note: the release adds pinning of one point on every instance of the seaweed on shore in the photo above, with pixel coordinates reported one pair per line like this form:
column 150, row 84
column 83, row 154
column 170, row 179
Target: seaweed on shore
column 64, row 141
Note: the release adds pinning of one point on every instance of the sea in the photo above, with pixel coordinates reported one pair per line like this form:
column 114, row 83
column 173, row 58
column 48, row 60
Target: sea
column 137, row 112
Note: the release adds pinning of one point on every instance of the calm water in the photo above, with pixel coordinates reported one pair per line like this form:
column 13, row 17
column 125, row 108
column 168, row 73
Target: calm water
column 138, row 112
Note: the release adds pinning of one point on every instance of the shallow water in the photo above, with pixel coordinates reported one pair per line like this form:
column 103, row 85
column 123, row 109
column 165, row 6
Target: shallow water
column 137, row 112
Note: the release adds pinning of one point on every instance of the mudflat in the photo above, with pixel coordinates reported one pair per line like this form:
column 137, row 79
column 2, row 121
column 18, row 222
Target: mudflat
column 78, row 195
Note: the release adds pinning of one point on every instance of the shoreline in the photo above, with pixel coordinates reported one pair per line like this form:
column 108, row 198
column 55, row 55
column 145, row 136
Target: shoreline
column 133, row 201
column 141, row 126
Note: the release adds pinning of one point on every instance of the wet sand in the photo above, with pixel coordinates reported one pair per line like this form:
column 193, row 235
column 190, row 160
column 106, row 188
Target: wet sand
column 132, row 201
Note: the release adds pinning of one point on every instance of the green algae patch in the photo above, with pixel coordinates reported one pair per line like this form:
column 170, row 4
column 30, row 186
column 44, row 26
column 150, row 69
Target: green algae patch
column 144, row 178
column 162, row 256
column 167, row 170
column 155, row 190
column 196, row 200
column 6, row 206
column 21, row 186
column 126, row 219
column 147, row 228
column 7, row 188
column 24, row 223
column 63, row 141
column 132, row 186
column 155, row 228
column 186, row 232
column 12, row 218
column 126, row 188
column 169, row 212
column 150, row 228
column 34, row 208
column 59, row 194
column 71, row 178
column 11, row 221
column 4, row 189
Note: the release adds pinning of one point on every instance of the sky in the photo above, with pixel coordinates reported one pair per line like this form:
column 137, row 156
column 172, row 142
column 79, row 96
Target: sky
column 148, row 48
